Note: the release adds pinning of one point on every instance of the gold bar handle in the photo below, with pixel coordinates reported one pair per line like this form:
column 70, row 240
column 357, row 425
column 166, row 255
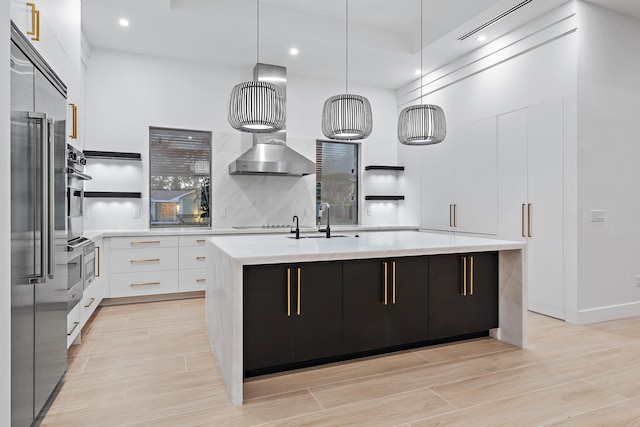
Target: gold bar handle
column 450, row 215
column 298, row 291
column 201, row 258
column 393, row 279
column 200, row 241
column 455, row 215
column 98, row 257
column 133, row 285
column 33, row 19
column 385, row 300
column 201, row 280
column 148, row 242
column 471, row 276
column 464, row 276
column 90, row 303
column 522, row 217
column 529, row 220
column 36, row 37
column 74, row 121
column 145, row 260
column 288, row 292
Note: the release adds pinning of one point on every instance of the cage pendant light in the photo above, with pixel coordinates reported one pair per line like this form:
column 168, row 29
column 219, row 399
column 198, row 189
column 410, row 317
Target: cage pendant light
column 255, row 106
column 422, row 124
column 347, row 116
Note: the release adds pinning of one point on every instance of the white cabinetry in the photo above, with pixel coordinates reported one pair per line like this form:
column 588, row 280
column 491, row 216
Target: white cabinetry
column 192, row 263
column 459, row 180
column 531, row 197
column 143, row 265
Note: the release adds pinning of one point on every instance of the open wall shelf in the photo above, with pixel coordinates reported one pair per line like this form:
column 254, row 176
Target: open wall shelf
column 383, row 168
column 384, row 197
column 112, row 195
column 113, row 155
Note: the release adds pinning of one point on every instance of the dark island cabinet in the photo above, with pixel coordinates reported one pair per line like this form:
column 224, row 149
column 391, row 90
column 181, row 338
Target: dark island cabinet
column 463, row 294
column 292, row 313
column 385, row 303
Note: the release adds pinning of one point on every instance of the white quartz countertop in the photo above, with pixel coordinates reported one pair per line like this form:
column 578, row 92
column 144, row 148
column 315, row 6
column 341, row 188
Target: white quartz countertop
column 187, row 231
column 273, row 249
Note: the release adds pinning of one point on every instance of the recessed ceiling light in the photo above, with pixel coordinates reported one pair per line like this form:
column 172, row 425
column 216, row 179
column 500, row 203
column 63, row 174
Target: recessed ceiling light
column 123, row 22
column 293, row 51
column 481, row 38
column 417, row 72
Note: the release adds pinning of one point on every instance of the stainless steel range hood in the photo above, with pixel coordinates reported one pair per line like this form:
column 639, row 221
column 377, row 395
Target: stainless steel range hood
column 270, row 154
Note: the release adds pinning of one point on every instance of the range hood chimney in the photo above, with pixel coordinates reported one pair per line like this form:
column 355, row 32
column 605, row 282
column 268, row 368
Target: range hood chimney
column 270, row 154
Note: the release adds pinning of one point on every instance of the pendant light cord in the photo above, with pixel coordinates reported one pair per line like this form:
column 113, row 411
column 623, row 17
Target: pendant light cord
column 421, row 65
column 346, row 59
column 258, row 31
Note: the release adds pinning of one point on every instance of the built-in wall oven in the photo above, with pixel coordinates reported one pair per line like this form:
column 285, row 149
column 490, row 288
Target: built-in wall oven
column 88, row 263
column 75, row 191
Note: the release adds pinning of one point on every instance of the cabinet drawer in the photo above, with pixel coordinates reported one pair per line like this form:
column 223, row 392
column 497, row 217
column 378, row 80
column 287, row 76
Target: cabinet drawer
column 192, row 257
column 138, row 242
column 91, row 300
column 132, row 260
column 192, row 241
column 144, row 283
column 193, row 280
column 73, row 325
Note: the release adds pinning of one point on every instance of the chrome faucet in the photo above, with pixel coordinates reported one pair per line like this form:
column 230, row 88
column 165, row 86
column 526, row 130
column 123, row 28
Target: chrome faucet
column 328, row 229
column 297, row 230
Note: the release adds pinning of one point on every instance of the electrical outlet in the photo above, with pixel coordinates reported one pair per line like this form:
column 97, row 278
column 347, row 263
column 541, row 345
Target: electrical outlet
column 136, row 212
column 223, row 213
column 597, row 216
column 85, row 213
column 369, row 212
column 307, row 212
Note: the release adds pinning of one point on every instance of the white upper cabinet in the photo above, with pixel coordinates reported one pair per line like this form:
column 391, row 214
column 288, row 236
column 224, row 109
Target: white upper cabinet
column 460, row 182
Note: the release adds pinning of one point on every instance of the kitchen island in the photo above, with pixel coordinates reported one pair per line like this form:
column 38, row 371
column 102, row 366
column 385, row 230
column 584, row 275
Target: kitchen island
column 234, row 257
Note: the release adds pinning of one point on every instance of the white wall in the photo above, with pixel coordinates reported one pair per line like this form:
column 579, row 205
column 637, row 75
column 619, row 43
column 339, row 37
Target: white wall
column 126, row 93
column 608, row 158
column 5, row 225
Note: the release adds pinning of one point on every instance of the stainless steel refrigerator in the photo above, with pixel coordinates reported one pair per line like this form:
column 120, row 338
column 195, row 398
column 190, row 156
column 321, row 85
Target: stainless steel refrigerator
column 38, row 232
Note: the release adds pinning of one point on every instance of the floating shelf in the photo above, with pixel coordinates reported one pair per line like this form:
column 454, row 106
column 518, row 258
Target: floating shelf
column 384, row 197
column 112, row 194
column 113, row 155
column 384, row 168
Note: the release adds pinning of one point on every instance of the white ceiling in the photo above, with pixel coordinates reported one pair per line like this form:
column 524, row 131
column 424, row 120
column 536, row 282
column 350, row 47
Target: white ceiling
column 384, row 35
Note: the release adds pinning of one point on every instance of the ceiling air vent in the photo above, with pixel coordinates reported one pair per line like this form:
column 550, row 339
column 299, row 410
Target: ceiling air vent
column 494, row 19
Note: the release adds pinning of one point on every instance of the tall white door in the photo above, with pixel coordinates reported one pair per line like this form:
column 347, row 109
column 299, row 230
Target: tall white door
column 476, row 177
column 545, row 196
column 438, row 183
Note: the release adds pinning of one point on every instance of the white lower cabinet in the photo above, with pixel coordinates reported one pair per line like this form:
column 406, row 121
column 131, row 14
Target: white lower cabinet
column 193, row 263
column 193, row 280
column 73, row 324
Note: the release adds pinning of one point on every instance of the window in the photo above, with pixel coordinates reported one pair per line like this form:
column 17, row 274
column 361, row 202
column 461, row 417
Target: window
column 179, row 177
column 337, row 180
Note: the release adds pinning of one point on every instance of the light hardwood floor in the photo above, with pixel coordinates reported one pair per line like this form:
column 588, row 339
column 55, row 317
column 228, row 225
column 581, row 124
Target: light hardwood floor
column 150, row 365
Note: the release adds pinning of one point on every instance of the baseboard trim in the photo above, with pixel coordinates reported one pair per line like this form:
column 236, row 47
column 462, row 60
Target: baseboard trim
column 151, row 298
column 611, row 312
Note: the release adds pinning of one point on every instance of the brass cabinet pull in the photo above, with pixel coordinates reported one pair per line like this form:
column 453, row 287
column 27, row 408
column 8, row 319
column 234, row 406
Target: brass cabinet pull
column 145, row 260
column 148, row 242
column 471, row 276
column 90, row 303
column 455, row 215
column 464, row 276
column 98, row 258
column 393, row 279
column 133, row 285
column 200, row 241
column 298, row 291
column 74, row 121
column 35, row 22
column 75, row 325
column 450, row 215
column 201, row 258
column 385, row 301
column 201, row 280
column 288, row 292
column 529, row 220
column 522, row 217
